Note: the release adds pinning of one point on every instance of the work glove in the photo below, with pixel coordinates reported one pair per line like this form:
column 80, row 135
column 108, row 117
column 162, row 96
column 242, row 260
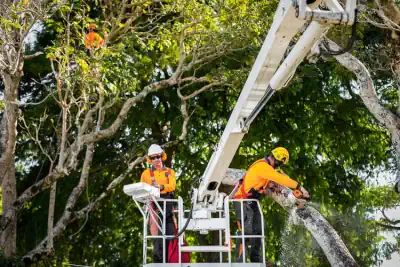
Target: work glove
column 305, row 192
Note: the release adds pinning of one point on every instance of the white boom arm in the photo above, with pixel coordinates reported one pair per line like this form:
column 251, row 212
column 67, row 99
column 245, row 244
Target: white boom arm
column 265, row 78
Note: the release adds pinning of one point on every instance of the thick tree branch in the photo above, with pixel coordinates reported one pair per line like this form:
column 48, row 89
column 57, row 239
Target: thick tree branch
column 390, row 11
column 43, row 249
column 390, row 120
column 330, row 242
column 96, row 136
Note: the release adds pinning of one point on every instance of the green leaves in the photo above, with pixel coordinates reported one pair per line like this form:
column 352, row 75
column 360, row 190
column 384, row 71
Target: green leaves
column 333, row 140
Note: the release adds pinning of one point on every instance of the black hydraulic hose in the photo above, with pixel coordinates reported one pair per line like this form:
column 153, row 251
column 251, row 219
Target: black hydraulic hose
column 260, row 105
column 185, row 226
column 349, row 45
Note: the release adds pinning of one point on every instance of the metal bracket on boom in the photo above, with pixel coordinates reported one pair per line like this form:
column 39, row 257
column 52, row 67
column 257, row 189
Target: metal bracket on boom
column 335, row 15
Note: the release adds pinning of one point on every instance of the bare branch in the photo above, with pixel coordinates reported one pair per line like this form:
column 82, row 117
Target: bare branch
column 28, row 57
column 92, row 137
column 387, row 220
column 182, row 54
column 368, row 94
column 117, row 181
column 204, row 88
column 50, row 217
column 367, row 90
column 42, row 249
column 390, row 227
column 36, row 137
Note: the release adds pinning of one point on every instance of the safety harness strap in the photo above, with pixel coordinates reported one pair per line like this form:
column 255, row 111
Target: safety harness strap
column 243, row 194
column 167, row 174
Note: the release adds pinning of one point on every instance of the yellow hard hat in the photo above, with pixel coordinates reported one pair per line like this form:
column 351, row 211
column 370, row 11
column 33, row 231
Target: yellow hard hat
column 281, row 154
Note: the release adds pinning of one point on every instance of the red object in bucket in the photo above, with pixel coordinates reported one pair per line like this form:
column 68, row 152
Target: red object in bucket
column 173, row 256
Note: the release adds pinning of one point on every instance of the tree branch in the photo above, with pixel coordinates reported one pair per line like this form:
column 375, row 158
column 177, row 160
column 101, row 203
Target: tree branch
column 368, row 94
column 96, row 136
column 29, row 57
column 42, row 249
column 387, row 218
column 328, row 239
column 391, row 227
column 117, row 181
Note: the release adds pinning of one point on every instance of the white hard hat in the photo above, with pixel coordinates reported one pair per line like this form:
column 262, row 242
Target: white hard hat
column 154, row 149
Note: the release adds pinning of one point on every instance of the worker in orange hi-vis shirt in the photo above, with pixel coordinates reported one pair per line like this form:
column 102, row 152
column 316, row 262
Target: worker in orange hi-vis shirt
column 164, row 178
column 253, row 186
column 93, row 39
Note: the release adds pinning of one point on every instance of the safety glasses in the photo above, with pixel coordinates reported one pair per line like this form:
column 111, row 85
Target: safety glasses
column 155, row 157
column 278, row 163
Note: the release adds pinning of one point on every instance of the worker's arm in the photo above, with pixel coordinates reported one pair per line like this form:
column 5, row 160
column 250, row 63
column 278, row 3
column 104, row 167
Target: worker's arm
column 170, row 187
column 268, row 173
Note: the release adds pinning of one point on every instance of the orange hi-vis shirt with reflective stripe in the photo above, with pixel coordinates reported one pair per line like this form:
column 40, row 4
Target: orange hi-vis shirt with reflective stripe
column 258, row 176
column 161, row 178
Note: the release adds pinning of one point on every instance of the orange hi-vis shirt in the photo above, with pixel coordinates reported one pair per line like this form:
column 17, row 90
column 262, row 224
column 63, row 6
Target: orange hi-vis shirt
column 259, row 175
column 162, row 178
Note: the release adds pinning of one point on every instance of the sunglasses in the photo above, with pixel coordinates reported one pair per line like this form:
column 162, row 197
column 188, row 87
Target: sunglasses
column 155, row 157
column 278, row 163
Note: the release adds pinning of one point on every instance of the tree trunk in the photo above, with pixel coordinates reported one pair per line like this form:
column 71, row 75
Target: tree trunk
column 7, row 160
column 335, row 250
column 50, row 219
column 9, row 122
column 8, row 237
column 396, row 71
column 397, row 182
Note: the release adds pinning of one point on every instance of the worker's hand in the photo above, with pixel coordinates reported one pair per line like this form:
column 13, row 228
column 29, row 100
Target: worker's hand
column 155, row 184
column 305, row 192
column 161, row 187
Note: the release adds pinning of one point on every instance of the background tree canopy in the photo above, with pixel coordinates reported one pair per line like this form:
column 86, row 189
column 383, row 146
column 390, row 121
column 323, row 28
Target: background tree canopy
column 170, row 72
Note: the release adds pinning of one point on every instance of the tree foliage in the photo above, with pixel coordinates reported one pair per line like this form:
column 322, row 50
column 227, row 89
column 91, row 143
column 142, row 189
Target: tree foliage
column 170, row 72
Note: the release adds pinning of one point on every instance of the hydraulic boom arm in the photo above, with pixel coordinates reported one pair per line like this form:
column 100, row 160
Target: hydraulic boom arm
column 266, row 78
